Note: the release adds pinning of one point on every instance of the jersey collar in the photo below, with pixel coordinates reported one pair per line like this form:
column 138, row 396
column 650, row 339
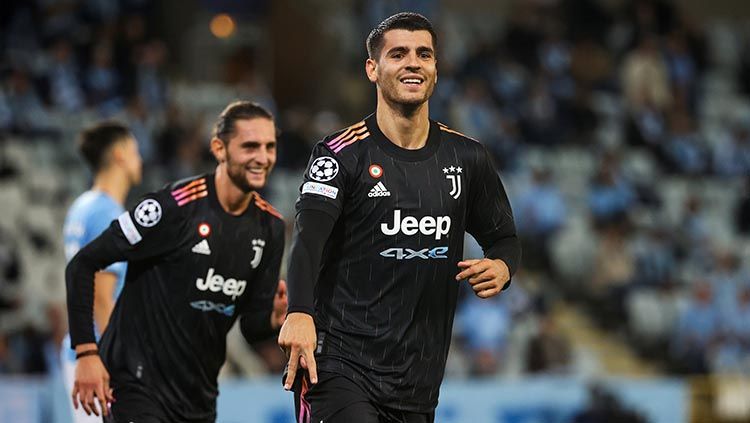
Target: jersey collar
column 433, row 141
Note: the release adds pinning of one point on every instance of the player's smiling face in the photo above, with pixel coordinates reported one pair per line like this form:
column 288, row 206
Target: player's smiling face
column 251, row 153
column 406, row 71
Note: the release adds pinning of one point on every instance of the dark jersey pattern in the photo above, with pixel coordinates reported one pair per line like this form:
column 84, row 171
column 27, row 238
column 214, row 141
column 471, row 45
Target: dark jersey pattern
column 193, row 269
column 386, row 294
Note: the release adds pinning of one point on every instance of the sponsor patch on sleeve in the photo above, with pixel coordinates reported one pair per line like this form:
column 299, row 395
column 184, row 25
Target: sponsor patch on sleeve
column 129, row 229
column 320, row 189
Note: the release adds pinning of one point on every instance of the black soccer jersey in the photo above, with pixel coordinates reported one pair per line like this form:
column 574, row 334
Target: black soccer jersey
column 193, row 269
column 386, row 294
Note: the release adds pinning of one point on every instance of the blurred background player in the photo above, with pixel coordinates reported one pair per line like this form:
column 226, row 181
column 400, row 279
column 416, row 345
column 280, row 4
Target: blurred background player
column 111, row 153
column 382, row 213
column 201, row 252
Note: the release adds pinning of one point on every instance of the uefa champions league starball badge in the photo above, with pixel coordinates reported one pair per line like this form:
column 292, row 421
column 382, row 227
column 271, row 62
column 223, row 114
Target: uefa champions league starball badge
column 323, row 169
column 148, row 213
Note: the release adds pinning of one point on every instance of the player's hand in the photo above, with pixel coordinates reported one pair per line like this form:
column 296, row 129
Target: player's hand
column 487, row 277
column 298, row 340
column 280, row 303
column 92, row 385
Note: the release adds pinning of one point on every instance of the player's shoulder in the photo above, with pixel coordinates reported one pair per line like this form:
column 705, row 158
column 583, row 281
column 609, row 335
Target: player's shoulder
column 186, row 191
column 347, row 141
column 454, row 135
column 471, row 147
column 268, row 211
column 94, row 204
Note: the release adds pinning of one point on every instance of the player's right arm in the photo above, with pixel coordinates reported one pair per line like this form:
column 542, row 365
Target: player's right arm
column 319, row 206
column 141, row 233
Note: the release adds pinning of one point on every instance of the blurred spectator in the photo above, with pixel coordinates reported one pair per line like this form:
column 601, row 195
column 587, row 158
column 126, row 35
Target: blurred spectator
column 103, row 83
column 548, row 350
column 26, row 108
column 681, row 66
column 645, row 82
column 540, row 114
column 508, row 79
column 733, row 354
column 170, row 136
column 591, row 65
column 141, row 123
column 684, row 148
column 697, row 330
column 64, row 78
column 612, row 276
column 150, row 81
column 484, row 344
column 474, row 112
column 476, row 115
column 610, row 195
column 694, row 236
column 554, row 58
column 654, row 256
column 127, row 41
column 731, row 153
column 726, row 279
column 540, row 214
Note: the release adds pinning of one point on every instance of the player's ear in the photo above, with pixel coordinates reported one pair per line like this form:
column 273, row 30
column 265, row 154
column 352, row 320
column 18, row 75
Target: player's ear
column 116, row 153
column 218, row 149
column 371, row 67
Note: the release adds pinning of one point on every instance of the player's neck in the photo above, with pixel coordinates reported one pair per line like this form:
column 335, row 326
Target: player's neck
column 406, row 127
column 113, row 183
column 232, row 199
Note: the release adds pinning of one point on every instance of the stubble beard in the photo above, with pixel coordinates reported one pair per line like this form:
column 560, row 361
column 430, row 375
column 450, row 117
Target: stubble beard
column 236, row 173
column 406, row 107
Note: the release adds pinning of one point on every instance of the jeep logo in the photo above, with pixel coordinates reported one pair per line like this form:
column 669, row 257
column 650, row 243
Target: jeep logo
column 215, row 283
column 428, row 225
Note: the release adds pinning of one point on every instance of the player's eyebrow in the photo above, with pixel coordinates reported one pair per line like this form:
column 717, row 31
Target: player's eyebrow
column 255, row 144
column 399, row 49
column 425, row 50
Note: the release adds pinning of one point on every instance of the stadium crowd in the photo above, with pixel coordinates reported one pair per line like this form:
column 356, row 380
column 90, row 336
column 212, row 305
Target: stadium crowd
column 623, row 137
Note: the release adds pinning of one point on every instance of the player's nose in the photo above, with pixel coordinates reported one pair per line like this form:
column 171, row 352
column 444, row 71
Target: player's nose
column 412, row 62
column 261, row 157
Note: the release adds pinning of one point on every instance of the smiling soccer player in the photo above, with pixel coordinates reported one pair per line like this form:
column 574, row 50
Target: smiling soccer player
column 378, row 245
column 201, row 253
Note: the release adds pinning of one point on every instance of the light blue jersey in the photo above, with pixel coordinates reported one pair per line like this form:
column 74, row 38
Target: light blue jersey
column 91, row 213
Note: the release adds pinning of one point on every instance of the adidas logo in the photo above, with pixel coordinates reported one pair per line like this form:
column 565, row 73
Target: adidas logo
column 379, row 190
column 202, row 248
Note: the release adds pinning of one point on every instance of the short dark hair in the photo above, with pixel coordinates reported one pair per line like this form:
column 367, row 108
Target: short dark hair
column 238, row 110
column 409, row 21
column 96, row 141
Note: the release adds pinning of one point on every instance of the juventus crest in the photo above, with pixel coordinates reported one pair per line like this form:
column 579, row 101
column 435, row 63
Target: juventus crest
column 453, row 174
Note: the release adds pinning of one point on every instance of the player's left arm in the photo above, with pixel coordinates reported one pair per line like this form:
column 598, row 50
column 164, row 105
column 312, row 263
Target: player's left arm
column 265, row 310
column 490, row 222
